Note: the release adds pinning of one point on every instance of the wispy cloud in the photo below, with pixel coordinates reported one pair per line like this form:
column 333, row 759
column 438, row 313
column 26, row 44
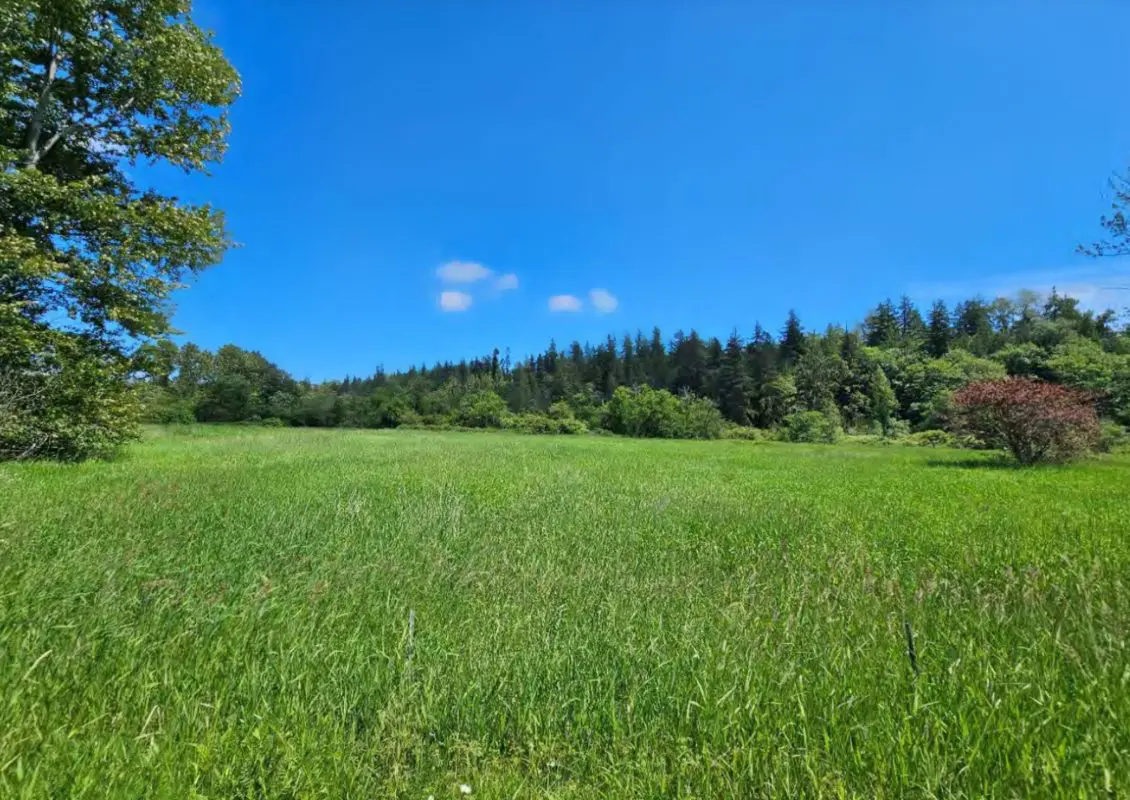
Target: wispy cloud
column 1102, row 285
column 565, row 302
column 603, row 300
column 506, row 282
column 463, row 272
column 454, row 301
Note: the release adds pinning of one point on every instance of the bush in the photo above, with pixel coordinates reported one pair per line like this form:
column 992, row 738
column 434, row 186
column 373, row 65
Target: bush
column 82, row 410
column 813, row 427
column 159, row 407
column 656, row 413
column 931, row 438
column 1113, row 438
column 871, row 439
column 701, row 418
column 530, row 423
column 272, row 422
column 572, row 426
column 1035, row 421
column 544, row 424
column 559, row 410
column 897, row 429
column 482, row 409
column 744, row 433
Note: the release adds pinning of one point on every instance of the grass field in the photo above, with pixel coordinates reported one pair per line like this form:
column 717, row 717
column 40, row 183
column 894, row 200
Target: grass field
column 225, row 613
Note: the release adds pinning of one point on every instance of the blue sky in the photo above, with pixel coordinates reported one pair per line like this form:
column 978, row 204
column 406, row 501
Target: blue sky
column 705, row 165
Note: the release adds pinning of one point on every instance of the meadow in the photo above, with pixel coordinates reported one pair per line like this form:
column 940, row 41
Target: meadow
column 237, row 612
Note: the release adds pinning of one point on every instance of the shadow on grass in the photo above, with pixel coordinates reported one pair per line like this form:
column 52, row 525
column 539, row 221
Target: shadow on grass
column 998, row 461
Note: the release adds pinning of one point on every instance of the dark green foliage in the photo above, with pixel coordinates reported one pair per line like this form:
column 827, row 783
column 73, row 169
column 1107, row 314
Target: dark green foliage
column 882, row 326
column 938, row 333
column 912, row 328
column 735, row 389
column 878, row 390
column 792, row 339
column 813, row 427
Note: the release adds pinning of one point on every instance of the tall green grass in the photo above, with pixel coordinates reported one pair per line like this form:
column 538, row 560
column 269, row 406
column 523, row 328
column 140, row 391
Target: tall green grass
column 226, row 614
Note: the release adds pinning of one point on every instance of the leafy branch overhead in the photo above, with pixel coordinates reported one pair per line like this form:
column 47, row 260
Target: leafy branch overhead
column 88, row 256
column 1118, row 241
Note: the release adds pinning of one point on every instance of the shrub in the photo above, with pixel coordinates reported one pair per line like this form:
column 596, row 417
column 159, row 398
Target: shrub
column 647, row 412
column 530, row 423
column 1034, row 420
column 656, row 413
column 744, row 433
column 559, row 410
column 897, row 429
column 813, row 427
column 482, row 409
column 545, row 424
column 572, row 426
column 160, row 407
column 701, row 419
column 1113, row 438
column 81, row 411
column 867, row 439
column 931, row 438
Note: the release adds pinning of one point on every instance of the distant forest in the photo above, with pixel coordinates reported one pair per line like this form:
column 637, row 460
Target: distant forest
column 891, row 375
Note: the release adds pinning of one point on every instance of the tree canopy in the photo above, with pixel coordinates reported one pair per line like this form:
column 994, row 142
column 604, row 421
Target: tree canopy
column 88, row 257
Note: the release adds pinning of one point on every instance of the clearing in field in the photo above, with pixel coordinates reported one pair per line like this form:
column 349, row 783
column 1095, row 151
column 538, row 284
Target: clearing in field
column 229, row 610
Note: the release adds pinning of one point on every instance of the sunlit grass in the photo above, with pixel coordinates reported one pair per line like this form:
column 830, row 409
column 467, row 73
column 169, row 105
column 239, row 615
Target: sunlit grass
column 226, row 613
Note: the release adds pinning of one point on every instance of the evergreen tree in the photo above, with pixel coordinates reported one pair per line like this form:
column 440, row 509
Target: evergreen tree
column 912, row 328
column 629, row 368
column 714, row 354
column 938, row 333
column 792, row 340
column 735, row 389
column 657, row 357
column 882, row 326
column 689, row 354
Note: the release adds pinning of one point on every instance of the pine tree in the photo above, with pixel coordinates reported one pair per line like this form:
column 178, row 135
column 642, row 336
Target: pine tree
column 938, row 333
column 689, row 353
column 629, row 368
column 882, row 326
column 714, row 354
column 792, row 340
column 657, row 356
column 912, row 328
column 735, row 389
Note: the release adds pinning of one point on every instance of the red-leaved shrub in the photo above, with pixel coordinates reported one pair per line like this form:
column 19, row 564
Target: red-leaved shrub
column 1034, row 420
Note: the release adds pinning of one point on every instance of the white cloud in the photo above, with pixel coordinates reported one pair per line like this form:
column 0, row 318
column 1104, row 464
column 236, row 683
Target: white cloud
column 564, row 302
column 603, row 300
column 454, row 301
column 506, row 282
column 462, row 272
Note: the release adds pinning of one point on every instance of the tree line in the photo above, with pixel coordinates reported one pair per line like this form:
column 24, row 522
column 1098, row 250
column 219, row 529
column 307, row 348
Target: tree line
column 893, row 374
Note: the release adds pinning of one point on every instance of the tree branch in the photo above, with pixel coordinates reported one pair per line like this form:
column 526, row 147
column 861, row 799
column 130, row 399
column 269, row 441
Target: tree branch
column 35, row 128
column 66, row 130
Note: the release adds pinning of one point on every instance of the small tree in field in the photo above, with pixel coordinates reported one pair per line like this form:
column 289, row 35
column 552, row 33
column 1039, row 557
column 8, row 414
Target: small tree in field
column 1034, row 420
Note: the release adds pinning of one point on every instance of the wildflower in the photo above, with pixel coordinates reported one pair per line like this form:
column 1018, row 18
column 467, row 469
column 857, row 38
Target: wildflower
column 464, row 789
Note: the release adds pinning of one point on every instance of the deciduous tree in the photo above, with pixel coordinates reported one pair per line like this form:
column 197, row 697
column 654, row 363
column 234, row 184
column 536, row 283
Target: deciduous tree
column 90, row 86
